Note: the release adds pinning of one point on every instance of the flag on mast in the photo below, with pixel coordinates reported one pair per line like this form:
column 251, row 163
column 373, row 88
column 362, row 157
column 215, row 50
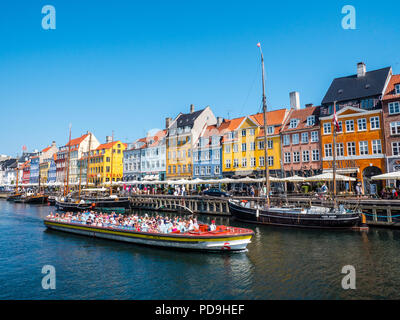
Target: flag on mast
column 335, row 120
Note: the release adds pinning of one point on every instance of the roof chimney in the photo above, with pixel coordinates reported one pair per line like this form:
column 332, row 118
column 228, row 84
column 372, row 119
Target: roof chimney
column 191, row 108
column 294, row 100
column 167, row 122
column 219, row 121
column 108, row 139
column 309, row 105
column 361, row 69
column 53, row 144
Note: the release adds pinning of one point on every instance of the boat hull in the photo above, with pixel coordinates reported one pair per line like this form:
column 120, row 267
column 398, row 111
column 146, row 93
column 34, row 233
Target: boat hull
column 300, row 220
column 203, row 243
column 71, row 206
column 36, row 199
column 92, row 204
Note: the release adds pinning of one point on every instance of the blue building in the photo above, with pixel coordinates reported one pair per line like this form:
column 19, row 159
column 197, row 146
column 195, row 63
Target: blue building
column 207, row 155
column 34, row 174
column 52, row 174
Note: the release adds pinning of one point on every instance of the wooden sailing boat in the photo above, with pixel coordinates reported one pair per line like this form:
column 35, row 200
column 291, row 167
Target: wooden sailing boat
column 313, row 217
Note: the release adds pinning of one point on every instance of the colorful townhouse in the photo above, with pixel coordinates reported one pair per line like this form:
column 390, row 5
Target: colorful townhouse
column 360, row 139
column 35, row 170
column 207, row 153
column 26, row 172
column 243, row 145
column 44, row 170
column 132, row 160
column 153, row 157
column 391, row 124
column 182, row 134
column 52, row 171
column 106, row 163
column 74, row 151
column 300, row 137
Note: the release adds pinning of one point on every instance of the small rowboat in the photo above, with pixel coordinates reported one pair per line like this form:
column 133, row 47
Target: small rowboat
column 224, row 238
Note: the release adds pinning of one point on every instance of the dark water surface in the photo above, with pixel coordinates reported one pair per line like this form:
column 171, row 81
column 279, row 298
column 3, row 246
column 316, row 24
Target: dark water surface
column 280, row 264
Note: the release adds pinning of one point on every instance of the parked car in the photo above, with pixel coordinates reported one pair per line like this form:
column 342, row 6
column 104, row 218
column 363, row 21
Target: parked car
column 216, row 193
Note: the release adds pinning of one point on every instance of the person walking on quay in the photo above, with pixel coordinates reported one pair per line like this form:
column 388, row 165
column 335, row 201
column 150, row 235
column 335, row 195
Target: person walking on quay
column 358, row 190
column 252, row 192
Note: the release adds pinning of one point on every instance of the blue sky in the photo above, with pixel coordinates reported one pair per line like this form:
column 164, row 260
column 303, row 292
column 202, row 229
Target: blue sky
column 126, row 65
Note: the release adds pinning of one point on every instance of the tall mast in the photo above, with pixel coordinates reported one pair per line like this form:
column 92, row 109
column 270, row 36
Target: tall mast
column 334, row 155
column 87, row 160
column 66, row 189
column 16, row 183
column 264, row 102
column 112, row 158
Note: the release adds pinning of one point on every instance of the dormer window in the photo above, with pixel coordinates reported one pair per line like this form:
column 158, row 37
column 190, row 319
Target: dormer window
column 397, row 88
column 310, row 120
column 293, row 123
column 270, row 130
column 180, row 130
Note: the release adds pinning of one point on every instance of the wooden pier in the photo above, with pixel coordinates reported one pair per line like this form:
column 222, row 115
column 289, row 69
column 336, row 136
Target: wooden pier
column 379, row 212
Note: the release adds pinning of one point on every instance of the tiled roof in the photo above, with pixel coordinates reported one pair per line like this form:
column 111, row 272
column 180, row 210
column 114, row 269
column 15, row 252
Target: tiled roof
column 76, row 141
column 157, row 138
column 390, row 92
column 353, row 87
column 46, row 149
column 274, row 118
column 188, row 119
column 302, row 115
column 108, row 145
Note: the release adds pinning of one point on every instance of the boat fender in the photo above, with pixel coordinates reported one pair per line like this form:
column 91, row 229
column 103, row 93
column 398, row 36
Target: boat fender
column 257, row 213
column 93, row 205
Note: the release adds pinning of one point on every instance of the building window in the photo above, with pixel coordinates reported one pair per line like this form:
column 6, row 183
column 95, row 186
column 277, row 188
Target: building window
column 349, row 125
column 261, row 161
column 295, row 138
column 351, row 148
column 260, row 145
column 244, row 162
column 315, row 155
column 339, row 150
column 340, row 127
column 296, row 156
column 286, row 140
column 196, row 171
column 304, row 137
column 293, row 123
column 367, row 103
column 394, row 107
column 228, row 163
column 314, row 136
column 327, row 128
column 236, row 163
column 208, row 170
column 235, row 147
column 270, row 130
column 252, row 132
column 252, row 146
column 328, row 150
column 243, row 147
column 376, row 147
column 397, row 88
column 363, row 147
column 395, row 127
column 252, row 162
column 287, row 157
column 203, row 172
column 310, row 120
column 243, row 132
column 270, row 144
column 227, row 148
column 217, row 170
column 306, row 156
column 396, row 148
column 183, row 168
column 362, row 124
column 374, row 123
column 270, row 161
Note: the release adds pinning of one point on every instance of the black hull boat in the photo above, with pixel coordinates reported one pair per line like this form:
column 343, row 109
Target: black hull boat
column 37, row 199
column 91, row 203
column 14, row 197
column 294, row 217
column 52, row 200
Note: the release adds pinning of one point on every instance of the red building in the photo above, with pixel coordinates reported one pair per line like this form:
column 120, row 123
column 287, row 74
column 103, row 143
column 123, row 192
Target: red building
column 26, row 172
column 300, row 134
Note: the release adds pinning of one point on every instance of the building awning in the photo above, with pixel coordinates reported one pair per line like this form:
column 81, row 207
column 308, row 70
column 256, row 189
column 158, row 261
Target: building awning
column 342, row 170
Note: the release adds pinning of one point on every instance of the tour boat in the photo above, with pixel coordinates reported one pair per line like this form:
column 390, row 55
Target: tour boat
column 36, row 199
column 313, row 217
column 224, row 238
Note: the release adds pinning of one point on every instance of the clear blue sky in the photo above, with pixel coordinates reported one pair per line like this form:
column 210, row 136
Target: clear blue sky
column 126, row 65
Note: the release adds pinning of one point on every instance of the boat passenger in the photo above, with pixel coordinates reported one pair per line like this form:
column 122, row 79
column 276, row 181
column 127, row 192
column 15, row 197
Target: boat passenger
column 213, row 227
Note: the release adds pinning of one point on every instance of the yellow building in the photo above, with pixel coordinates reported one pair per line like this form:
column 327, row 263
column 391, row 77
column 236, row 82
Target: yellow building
column 44, row 171
column 243, row 145
column 104, row 165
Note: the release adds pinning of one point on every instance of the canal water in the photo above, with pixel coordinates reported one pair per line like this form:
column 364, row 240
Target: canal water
column 280, row 263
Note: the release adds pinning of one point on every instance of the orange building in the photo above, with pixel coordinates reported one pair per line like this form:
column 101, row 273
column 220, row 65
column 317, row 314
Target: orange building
column 359, row 145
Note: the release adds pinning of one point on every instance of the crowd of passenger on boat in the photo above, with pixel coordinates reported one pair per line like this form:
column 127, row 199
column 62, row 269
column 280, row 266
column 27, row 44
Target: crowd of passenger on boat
column 133, row 222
